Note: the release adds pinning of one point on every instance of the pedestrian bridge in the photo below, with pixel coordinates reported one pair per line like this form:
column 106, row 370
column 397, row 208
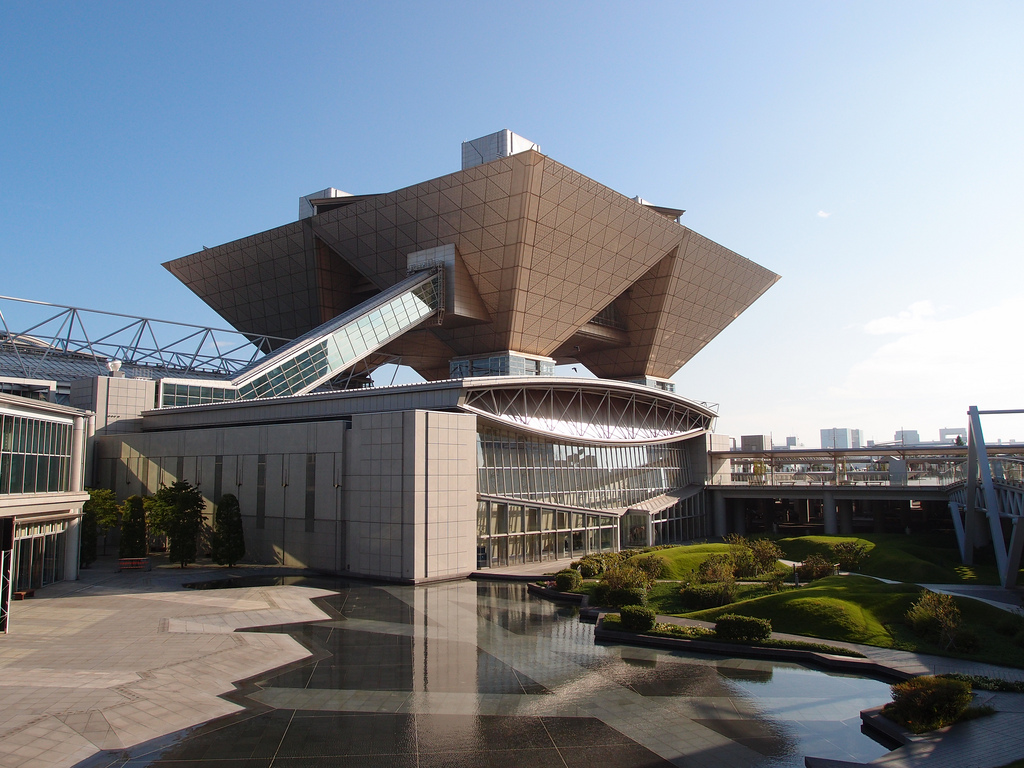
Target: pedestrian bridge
column 982, row 486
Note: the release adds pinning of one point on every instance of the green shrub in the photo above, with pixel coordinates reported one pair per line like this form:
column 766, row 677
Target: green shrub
column 733, row 628
column 653, row 567
column 716, row 568
column 966, row 641
column 637, row 618
column 743, row 564
column 815, row 566
column 568, row 580
column 619, row 596
column 1010, row 624
column 697, row 597
column 589, row 566
column 983, row 683
column 849, row 554
column 766, row 554
column 599, row 594
column 626, row 576
column 926, row 703
column 935, row 617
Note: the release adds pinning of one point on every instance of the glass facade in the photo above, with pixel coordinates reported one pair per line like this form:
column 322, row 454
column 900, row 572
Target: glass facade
column 584, row 476
column 512, row 534
column 685, row 520
column 35, row 455
column 194, row 394
column 39, row 554
column 500, row 365
column 344, row 346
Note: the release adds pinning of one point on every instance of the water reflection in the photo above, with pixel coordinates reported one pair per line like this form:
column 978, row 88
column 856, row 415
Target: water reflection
column 480, row 673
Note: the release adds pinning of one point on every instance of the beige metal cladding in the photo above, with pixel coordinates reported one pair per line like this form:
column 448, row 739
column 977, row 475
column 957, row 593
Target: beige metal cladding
column 546, row 247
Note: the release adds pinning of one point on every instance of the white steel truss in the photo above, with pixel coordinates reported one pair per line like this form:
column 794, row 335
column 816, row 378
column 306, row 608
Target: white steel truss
column 589, row 414
column 985, row 497
column 33, row 333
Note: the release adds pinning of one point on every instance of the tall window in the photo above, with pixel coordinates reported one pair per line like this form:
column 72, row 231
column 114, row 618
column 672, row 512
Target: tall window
column 35, row 455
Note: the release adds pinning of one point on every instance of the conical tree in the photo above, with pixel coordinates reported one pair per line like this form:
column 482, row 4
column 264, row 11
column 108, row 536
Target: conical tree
column 177, row 510
column 133, row 528
column 228, row 543
column 99, row 514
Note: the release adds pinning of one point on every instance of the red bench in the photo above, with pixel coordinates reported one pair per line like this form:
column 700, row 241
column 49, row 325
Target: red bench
column 134, row 564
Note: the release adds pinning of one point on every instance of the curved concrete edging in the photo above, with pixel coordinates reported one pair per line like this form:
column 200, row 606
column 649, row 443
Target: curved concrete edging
column 866, row 667
column 554, row 594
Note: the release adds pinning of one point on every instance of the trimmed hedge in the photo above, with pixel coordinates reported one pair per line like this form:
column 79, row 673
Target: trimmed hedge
column 733, row 628
column 637, row 618
column 697, row 597
column 568, row 580
column 926, row 703
column 616, row 598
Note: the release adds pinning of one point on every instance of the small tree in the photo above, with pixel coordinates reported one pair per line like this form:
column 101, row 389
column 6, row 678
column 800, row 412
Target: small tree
column 228, row 543
column 99, row 515
column 177, row 511
column 133, row 528
column 935, row 617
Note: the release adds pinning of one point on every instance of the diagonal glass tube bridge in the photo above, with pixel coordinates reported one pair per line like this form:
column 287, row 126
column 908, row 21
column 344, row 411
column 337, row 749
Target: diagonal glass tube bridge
column 303, row 364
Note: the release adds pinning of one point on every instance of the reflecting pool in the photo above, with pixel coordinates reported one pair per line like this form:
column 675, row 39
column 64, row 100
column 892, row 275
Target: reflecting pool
column 480, row 673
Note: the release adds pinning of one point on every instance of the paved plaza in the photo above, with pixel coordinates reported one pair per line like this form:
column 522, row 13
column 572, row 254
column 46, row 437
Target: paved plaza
column 134, row 670
column 118, row 659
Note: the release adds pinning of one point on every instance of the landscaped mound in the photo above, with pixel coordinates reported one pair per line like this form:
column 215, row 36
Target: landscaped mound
column 928, row 558
column 850, row 608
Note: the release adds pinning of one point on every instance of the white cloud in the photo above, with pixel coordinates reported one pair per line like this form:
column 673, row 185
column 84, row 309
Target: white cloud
column 823, row 214
column 937, row 361
column 914, row 318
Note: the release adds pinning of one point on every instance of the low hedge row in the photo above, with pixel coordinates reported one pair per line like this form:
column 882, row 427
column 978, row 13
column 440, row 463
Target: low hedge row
column 734, row 628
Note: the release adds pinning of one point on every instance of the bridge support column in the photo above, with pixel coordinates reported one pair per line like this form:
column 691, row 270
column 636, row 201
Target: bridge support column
column 739, row 517
column 828, row 513
column 846, row 517
column 719, row 517
column 878, row 513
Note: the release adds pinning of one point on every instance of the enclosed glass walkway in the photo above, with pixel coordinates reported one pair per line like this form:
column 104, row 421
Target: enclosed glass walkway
column 305, row 363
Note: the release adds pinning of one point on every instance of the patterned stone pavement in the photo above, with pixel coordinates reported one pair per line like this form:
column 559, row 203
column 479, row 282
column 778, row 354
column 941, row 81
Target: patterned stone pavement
column 118, row 659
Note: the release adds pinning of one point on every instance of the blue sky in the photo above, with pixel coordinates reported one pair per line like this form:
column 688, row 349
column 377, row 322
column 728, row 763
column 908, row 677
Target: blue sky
column 870, row 153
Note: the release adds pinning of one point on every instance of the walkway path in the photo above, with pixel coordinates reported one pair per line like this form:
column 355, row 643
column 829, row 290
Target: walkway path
column 123, row 658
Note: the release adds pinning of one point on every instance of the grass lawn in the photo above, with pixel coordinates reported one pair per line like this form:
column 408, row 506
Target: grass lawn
column 930, row 558
column 857, row 609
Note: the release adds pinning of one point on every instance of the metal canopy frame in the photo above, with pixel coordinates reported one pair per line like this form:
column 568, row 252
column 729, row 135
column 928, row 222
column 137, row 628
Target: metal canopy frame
column 98, row 336
column 584, row 414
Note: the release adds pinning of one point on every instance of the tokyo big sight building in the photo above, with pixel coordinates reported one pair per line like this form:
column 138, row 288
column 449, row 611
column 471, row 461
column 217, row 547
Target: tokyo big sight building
column 482, row 281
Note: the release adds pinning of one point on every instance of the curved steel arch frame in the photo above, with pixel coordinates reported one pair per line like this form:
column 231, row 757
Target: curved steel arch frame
column 604, row 413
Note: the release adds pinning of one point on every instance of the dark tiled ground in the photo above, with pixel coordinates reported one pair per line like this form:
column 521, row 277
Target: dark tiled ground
column 284, row 738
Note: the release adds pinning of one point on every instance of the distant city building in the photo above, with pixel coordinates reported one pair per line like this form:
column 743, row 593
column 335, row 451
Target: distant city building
column 950, row 434
column 907, row 437
column 755, row 442
column 840, row 438
column 793, row 442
